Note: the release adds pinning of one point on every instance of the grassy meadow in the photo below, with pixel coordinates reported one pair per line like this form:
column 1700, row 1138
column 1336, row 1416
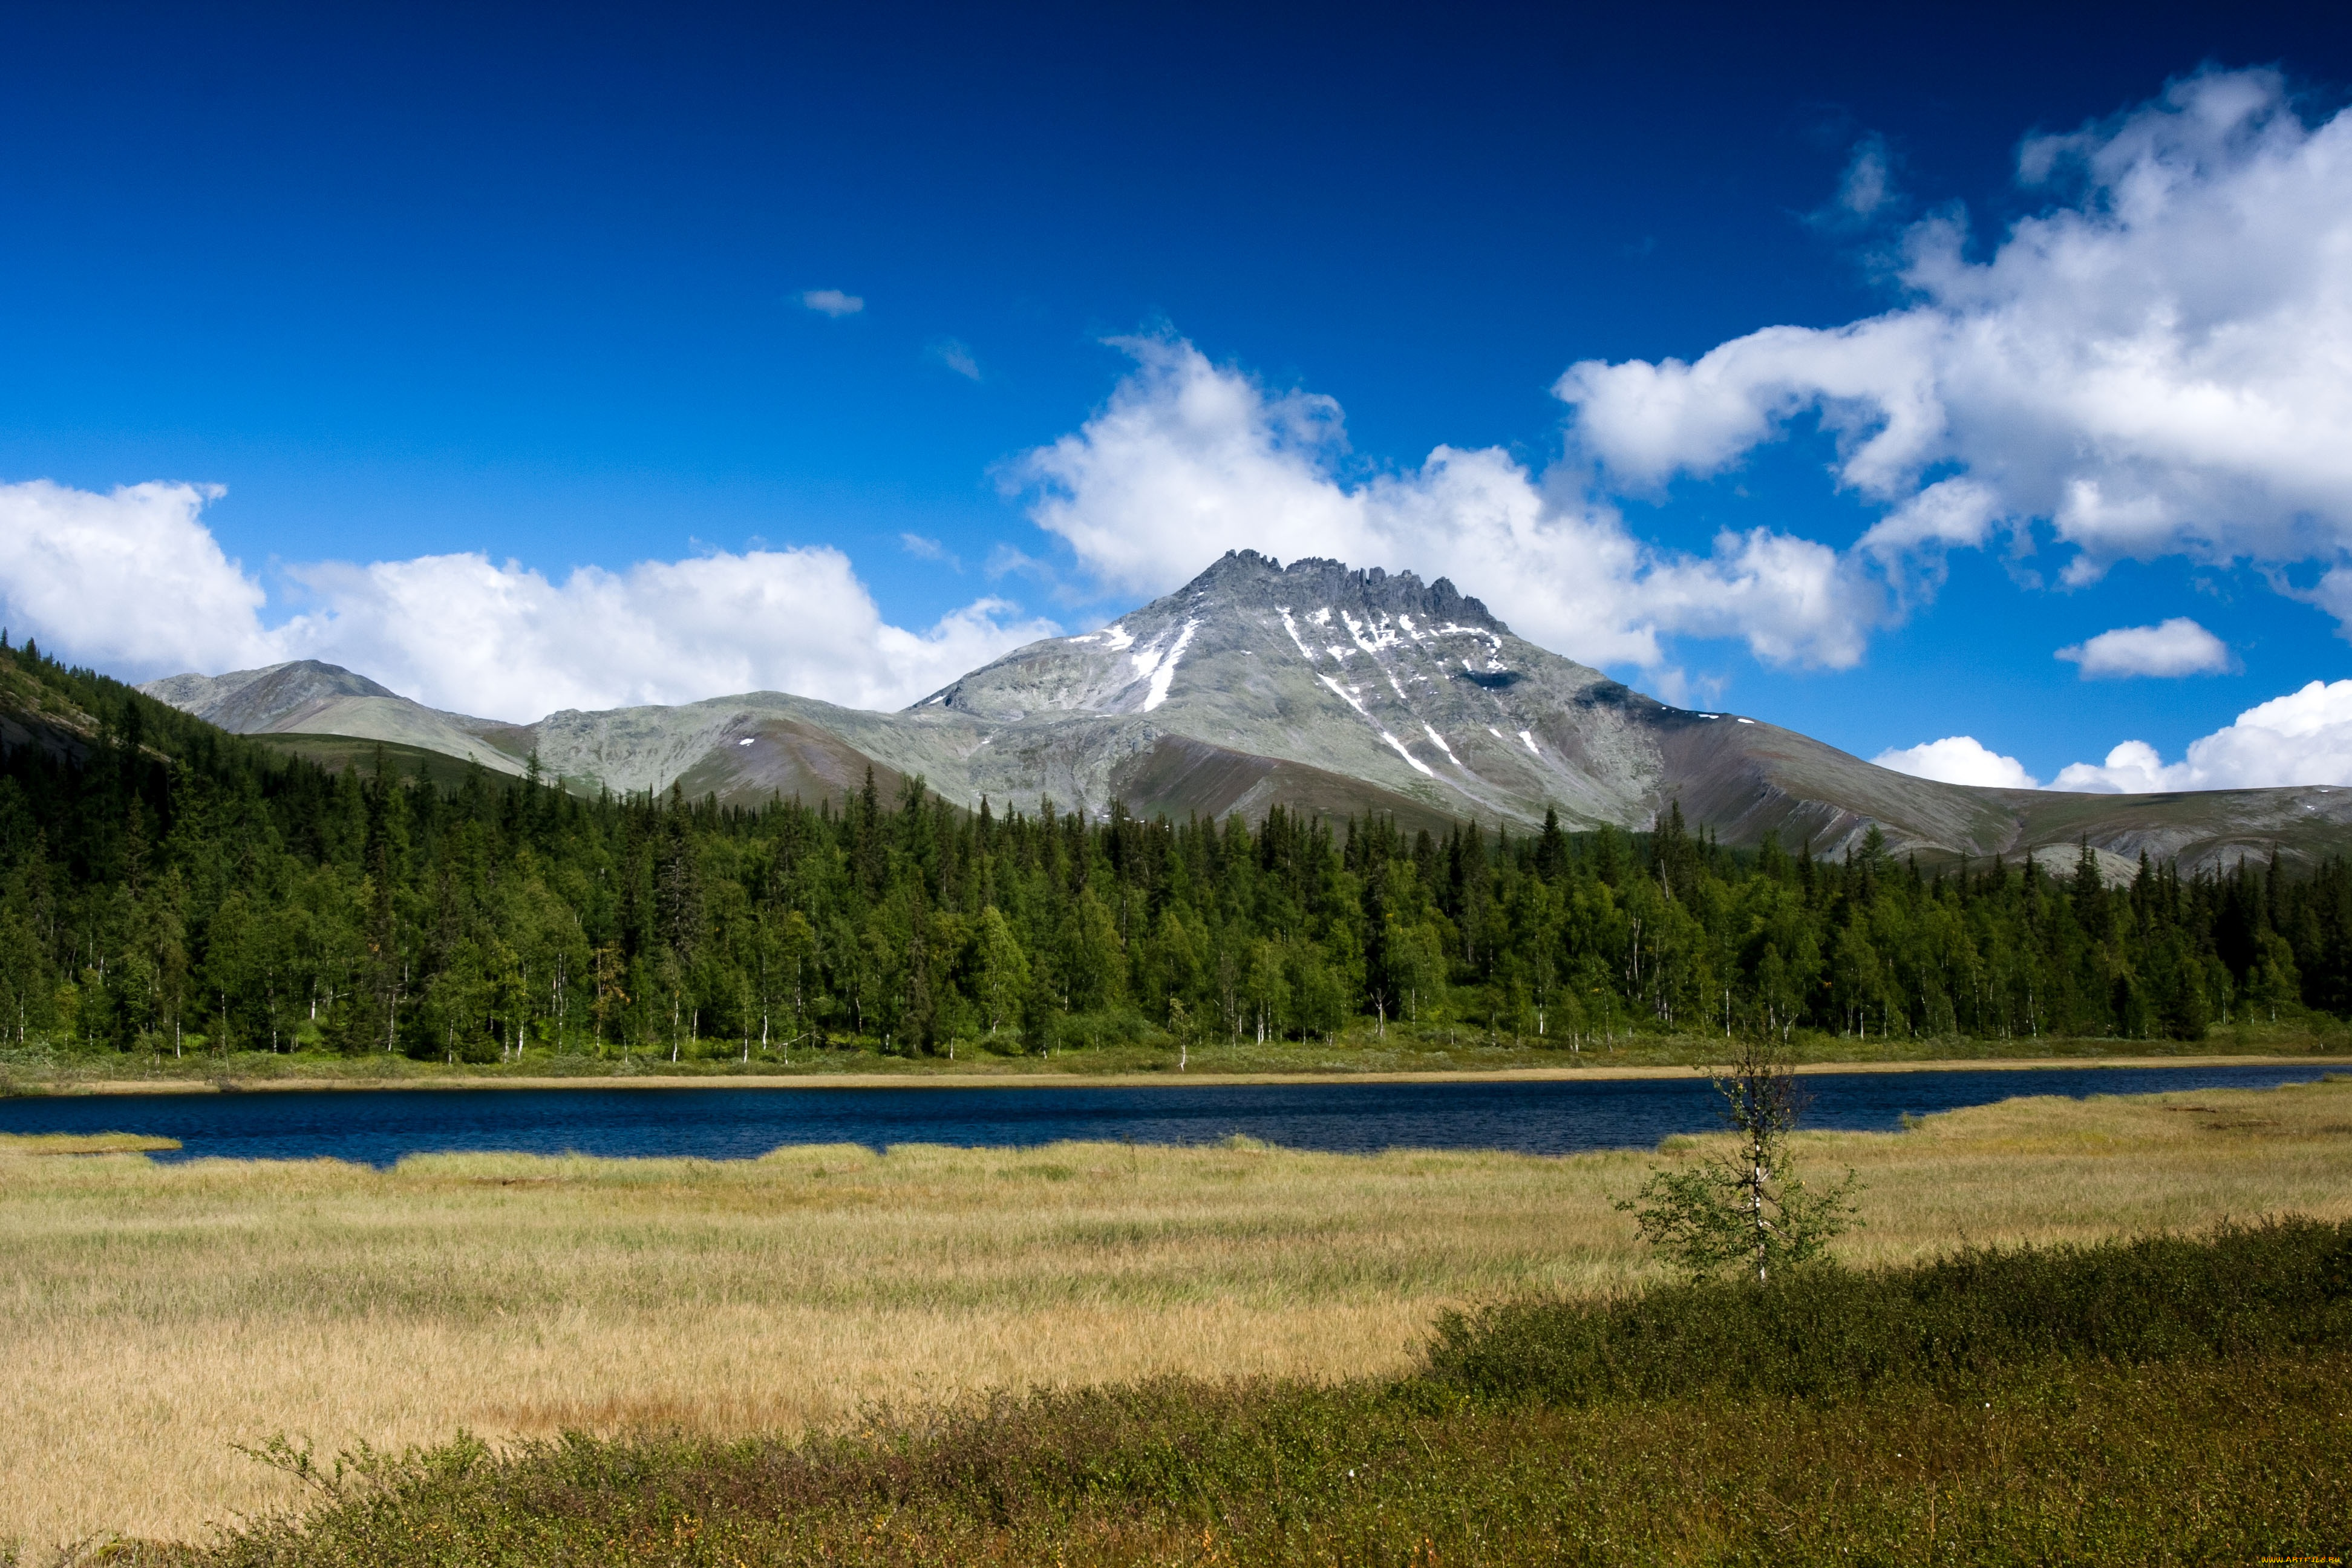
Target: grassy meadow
column 160, row 1315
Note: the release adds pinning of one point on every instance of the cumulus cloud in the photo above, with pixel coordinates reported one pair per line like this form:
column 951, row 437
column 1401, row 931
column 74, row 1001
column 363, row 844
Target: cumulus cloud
column 2177, row 647
column 1190, row 458
column 1960, row 760
column 2153, row 365
column 135, row 584
column 833, row 303
column 2303, row 738
column 128, row 581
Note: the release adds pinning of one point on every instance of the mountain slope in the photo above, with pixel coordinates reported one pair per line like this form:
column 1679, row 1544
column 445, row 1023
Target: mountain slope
column 1316, row 687
column 33, row 713
column 311, row 698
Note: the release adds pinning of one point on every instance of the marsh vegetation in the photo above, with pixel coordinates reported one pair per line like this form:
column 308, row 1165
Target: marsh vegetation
column 181, row 1310
column 2203, row 1423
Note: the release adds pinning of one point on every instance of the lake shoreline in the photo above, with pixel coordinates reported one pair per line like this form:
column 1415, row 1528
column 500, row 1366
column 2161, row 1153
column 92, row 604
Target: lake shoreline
column 822, row 1080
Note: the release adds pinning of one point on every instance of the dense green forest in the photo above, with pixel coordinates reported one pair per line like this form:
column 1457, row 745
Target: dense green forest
column 165, row 887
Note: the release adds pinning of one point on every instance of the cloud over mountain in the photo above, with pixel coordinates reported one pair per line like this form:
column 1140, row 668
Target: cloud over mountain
column 1190, row 458
column 2302, row 738
column 131, row 580
column 1960, row 760
column 2153, row 365
column 134, row 580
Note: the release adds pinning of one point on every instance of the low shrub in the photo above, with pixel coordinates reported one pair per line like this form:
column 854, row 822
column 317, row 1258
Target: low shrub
column 2211, row 1462
column 1826, row 1332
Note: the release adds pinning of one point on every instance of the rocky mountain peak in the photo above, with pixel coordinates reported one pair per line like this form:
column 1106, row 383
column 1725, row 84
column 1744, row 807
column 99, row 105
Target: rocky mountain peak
column 1320, row 580
column 1246, row 638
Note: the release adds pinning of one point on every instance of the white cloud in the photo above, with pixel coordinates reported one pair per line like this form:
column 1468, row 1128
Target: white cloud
column 1188, row 459
column 128, row 581
column 957, row 357
column 2177, row 647
column 2154, row 365
column 135, row 584
column 833, row 303
column 1960, row 760
column 2303, row 738
column 2132, row 768
column 509, row 639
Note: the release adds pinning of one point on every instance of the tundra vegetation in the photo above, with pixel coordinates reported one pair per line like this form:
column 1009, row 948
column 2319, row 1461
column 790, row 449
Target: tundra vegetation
column 2179, row 1455
column 168, row 890
column 936, row 1355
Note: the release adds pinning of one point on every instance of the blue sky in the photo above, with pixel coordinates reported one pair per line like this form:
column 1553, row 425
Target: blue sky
column 531, row 284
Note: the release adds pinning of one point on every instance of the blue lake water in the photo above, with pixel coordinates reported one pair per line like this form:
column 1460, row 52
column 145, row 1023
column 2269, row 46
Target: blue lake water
column 1551, row 1117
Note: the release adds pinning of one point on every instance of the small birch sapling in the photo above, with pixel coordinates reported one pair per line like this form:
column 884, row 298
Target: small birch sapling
column 1747, row 1207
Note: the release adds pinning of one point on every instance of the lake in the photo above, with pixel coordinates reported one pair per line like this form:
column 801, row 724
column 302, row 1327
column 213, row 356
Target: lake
column 377, row 1127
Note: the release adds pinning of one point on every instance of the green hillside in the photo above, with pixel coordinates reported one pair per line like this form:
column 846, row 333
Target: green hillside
column 337, row 753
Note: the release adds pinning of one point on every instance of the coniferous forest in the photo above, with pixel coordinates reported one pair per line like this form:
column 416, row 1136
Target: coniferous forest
column 166, row 888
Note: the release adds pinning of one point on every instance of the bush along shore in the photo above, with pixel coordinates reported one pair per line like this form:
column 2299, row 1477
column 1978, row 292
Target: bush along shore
column 168, row 890
column 2157, row 1400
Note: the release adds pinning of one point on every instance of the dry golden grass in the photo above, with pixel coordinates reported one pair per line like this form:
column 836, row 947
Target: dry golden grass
column 156, row 1315
column 82, row 1143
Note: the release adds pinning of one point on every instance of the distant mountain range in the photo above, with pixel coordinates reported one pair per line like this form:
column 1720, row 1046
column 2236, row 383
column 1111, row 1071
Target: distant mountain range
column 1314, row 687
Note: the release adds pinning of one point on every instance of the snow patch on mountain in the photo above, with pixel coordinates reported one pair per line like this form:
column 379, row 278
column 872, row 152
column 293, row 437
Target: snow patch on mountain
column 1292, row 628
column 1344, row 696
column 1163, row 670
column 1418, row 765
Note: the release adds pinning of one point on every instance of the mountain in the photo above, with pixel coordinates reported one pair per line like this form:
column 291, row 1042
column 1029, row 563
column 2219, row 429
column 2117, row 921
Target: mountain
column 1316, row 687
column 308, row 697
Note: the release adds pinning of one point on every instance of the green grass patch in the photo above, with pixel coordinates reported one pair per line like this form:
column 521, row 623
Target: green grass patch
column 83, row 1144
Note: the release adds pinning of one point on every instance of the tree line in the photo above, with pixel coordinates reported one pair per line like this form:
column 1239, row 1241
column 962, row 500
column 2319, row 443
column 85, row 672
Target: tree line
column 168, row 887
